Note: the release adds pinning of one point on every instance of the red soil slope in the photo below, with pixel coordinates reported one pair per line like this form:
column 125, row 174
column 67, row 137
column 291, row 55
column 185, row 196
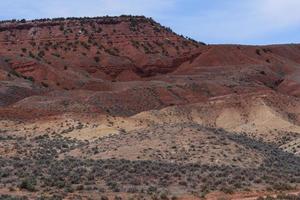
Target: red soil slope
column 125, row 65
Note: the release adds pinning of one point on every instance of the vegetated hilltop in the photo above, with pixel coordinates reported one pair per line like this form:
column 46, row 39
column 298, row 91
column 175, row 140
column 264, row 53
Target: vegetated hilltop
column 87, row 48
column 125, row 108
column 82, row 53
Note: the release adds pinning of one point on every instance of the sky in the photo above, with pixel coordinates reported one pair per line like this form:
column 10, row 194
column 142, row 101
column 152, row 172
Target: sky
column 209, row 21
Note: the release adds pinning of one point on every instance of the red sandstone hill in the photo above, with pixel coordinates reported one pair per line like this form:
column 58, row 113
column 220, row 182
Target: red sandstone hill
column 125, row 65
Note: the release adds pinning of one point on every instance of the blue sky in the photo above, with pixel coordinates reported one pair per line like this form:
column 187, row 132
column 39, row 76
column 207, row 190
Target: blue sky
column 210, row 21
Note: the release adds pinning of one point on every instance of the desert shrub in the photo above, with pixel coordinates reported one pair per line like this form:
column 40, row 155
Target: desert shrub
column 31, row 55
column 32, row 43
column 257, row 51
column 104, row 198
column 44, row 84
column 267, row 50
column 118, row 198
column 227, row 189
column 80, row 187
column 61, row 27
column 85, row 45
column 30, row 78
column 97, row 59
column 15, row 73
column 113, row 186
column 113, row 51
column 133, row 24
column 28, row 184
column 280, row 197
column 9, row 197
column 281, row 186
column 56, row 54
column 41, row 54
column 164, row 196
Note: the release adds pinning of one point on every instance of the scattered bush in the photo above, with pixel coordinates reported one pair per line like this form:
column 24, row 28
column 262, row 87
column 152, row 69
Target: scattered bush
column 97, row 59
column 28, row 184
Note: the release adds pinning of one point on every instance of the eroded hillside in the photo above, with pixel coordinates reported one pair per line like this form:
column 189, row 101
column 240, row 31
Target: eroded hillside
column 122, row 107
